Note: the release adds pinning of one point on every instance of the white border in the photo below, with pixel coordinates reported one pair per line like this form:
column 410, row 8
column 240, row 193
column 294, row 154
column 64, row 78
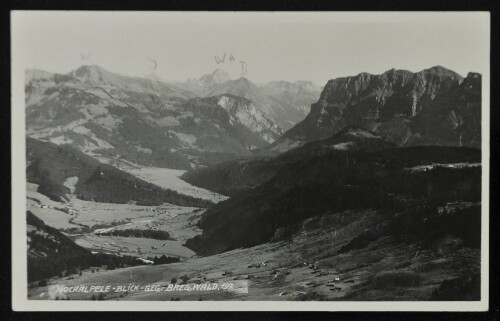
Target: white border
column 19, row 245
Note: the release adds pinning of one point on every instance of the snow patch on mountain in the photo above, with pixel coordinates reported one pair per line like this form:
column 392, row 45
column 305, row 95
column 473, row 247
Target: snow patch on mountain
column 99, row 143
column 342, row 146
column 166, row 121
column 60, row 140
column 109, row 122
column 361, row 133
column 70, row 183
column 144, row 150
column 81, row 130
column 226, row 103
column 428, row 167
column 286, row 145
column 188, row 139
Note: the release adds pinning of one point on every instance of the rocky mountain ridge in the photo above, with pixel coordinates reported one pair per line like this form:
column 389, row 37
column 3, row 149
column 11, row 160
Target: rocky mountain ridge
column 435, row 106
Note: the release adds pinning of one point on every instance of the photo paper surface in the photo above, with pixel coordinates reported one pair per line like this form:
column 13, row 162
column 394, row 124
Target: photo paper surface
column 264, row 160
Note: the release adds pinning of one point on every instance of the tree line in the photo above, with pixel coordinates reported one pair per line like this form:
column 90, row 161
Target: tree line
column 150, row 234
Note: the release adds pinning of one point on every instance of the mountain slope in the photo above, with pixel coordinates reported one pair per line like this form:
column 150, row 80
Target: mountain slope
column 63, row 170
column 283, row 102
column 98, row 76
column 291, row 102
column 230, row 111
column 49, row 251
column 394, row 179
column 53, row 254
column 233, row 177
column 433, row 106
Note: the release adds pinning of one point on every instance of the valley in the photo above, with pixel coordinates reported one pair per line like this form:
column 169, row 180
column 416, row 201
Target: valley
column 406, row 251
column 170, row 178
column 90, row 224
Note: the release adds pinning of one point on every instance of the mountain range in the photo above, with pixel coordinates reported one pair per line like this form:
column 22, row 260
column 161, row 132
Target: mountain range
column 435, row 106
column 285, row 103
column 151, row 122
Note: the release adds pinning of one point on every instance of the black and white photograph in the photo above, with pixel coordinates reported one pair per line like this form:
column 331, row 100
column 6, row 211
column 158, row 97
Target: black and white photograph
column 264, row 160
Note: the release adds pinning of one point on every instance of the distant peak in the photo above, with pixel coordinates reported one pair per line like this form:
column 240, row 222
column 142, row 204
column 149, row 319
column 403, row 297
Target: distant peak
column 219, row 71
column 216, row 77
column 364, row 74
column 243, row 79
column 396, row 73
column 437, row 68
column 307, row 85
column 441, row 71
column 392, row 71
column 304, row 82
column 473, row 75
column 93, row 74
column 153, row 76
column 90, row 67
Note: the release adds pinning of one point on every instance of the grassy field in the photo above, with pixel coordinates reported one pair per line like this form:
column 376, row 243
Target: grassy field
column 92, row 213
column 78, row 214
column 48, row 210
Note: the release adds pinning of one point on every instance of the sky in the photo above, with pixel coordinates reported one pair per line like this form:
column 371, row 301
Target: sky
column 261, row 46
